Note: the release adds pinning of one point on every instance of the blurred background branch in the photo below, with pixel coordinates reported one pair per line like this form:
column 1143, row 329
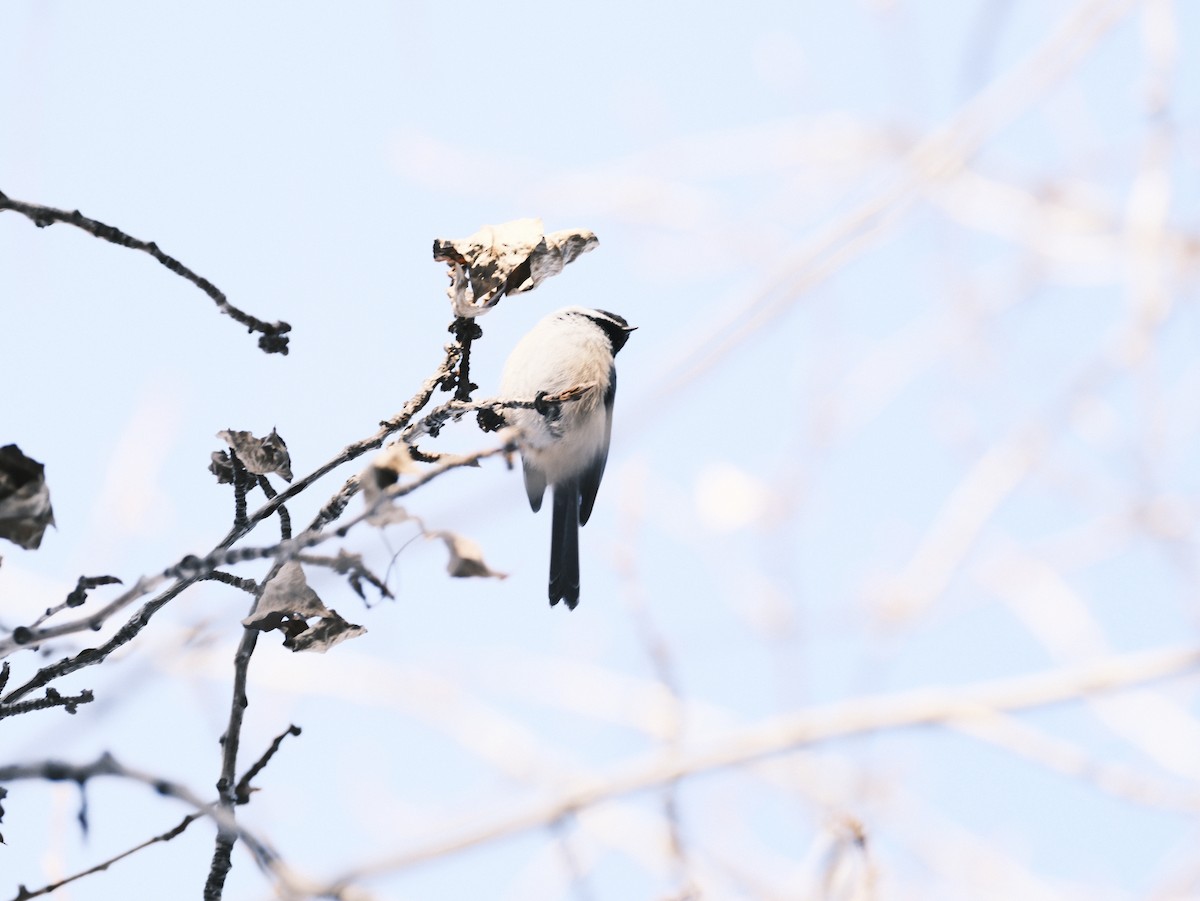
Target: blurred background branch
column 910, row 440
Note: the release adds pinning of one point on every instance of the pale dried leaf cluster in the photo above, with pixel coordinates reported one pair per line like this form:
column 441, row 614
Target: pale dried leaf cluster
column 25, row 509
column 505, row 259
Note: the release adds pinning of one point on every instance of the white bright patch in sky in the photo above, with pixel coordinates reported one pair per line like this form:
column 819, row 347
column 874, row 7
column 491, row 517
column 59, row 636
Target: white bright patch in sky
column 728, row 498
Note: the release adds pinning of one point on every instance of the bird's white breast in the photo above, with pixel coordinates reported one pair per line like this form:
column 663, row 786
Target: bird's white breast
column 560, row 353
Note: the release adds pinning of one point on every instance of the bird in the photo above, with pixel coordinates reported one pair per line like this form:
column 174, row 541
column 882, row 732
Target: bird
column 564, row 445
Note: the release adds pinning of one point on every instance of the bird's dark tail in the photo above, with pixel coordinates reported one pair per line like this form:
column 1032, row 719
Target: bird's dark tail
column 564, row 545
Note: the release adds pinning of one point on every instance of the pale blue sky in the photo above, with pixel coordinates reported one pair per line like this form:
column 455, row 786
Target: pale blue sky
column 304, row 155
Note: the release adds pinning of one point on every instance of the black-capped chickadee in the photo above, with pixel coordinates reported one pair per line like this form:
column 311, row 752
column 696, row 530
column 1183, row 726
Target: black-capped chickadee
column 566, row 445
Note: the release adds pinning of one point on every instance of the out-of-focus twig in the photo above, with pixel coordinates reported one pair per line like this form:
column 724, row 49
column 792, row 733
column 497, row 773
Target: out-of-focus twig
column 937, row 156
column 963, row 515
column 1061, row 620
column 658, row 653
column 1072, row 760
column 855, row 717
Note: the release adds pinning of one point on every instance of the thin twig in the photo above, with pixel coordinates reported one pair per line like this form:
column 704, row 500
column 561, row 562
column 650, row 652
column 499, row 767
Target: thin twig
column 190, row 569
column 243, row 789
column 70, row 703
column 227, row 790
column 358, row 448
column 23, row 894
column 454, row 410
column 241, row 483
column 247, row 585
column 186, row 571
column 285, row 518
column 282, row 552
column 107, row 766
column 77, row 596
column 274, row 334
column 943, row 151
column 92, row 656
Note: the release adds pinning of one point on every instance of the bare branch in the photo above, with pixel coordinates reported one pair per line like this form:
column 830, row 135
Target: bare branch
column 454, row 410
column 23, row 894
column 274, row 334
column 352, row 451
column 222, row 860
column 247, row 585
column 107, row 765
column 69, row 703
column 190, row 569
column 242, row 792
column 90, row 656
column 77, row 597
column 284, row 551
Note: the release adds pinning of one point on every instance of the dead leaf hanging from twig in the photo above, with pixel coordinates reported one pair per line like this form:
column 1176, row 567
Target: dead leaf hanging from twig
column 287, row 603
column 466, row 558
column 385, row 470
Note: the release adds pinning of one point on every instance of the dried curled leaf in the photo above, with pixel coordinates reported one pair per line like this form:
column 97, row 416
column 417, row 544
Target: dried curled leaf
column 355, row 570
column 222, row 467
column 385, row 470
column 505, row 259
column 389, row 514
column 260, row 456
column 287, row 604
column 390, row 463
column 323, row 635
column 24, row 499
column 287, row 594
column 466, row 558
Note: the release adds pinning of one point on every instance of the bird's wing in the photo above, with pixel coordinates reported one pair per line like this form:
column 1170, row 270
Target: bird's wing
column 589, row 482
column 535, row 484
